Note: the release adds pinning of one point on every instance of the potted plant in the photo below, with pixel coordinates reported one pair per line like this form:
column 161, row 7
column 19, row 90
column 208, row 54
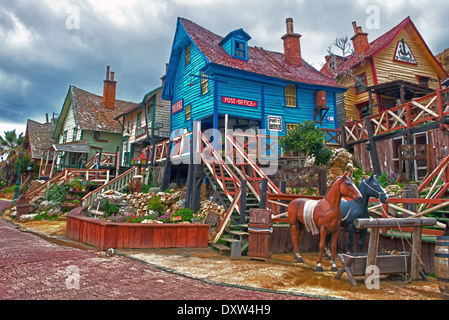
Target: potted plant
column 77, row 185
column 76, row 202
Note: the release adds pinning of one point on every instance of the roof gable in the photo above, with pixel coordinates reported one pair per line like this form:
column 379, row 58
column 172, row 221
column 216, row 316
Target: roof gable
column 39, row 136
column 90, row 112
column 375, row 47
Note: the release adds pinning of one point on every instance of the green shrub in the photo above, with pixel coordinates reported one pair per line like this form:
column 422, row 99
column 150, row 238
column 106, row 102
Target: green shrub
column 44, row 216
column 109, row 209
column 56, row 193
column 186, row 214
column 156, row 204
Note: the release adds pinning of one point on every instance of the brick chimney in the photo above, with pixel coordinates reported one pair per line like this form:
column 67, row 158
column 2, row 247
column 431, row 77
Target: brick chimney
column 292, row 48
column 359, row 40
column 109, row 90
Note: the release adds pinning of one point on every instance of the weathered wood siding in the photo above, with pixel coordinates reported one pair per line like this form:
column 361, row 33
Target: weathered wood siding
column 162, row 115
column 201, row 105
column 69, row 126
column 352, row 99
column 387, row 69
column 108, row 141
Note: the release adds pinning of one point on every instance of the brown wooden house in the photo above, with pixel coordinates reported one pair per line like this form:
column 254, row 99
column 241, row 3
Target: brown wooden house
column 395, row 69
column 38, row 137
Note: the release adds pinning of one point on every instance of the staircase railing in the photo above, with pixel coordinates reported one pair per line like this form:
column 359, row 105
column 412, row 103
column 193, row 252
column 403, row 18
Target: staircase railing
column 117, row 184
column 248, row 169
column 211, row 158
column 97, row 175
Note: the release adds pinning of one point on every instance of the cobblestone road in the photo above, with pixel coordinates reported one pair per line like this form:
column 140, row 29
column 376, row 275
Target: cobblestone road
column 35, row 269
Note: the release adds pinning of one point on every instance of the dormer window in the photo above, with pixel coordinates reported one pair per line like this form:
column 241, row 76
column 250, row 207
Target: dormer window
column 240, row 50
column 236, row 44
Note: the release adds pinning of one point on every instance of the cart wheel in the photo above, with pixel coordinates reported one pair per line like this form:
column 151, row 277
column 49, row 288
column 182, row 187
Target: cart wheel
column 135, row 186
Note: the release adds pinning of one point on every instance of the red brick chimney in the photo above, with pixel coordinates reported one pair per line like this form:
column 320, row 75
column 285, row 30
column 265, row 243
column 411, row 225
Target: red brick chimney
column 359, row 40
column 109, row 90
column 292, row 48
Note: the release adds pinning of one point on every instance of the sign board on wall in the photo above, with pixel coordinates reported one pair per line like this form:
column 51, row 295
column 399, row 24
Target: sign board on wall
column 240, row 102
column 177, row 106
column 274, row 123
column 403, row 53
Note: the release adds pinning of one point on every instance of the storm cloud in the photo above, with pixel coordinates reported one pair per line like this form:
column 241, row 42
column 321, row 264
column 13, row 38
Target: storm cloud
column 49, row 45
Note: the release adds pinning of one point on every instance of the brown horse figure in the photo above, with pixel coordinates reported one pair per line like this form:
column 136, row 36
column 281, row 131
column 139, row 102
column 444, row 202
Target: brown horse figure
column 321, row 216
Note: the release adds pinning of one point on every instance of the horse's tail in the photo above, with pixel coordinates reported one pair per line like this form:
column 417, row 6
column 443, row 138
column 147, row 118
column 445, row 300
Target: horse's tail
column 293, row 210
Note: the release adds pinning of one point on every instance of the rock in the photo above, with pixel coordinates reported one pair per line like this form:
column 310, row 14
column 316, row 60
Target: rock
column 27, row 217
column 213, row 219
column 154, row 190
column 46, row 205
column 54, row 211
column 340, row 162
column 172, row 186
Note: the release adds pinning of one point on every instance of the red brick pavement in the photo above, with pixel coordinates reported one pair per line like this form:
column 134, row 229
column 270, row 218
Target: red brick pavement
column 32, row 268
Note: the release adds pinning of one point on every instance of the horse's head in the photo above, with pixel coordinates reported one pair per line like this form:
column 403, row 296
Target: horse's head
column 349, row 189
column 374, row 189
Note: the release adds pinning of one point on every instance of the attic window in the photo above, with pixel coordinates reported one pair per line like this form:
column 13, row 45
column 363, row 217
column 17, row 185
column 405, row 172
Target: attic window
column 240, row 50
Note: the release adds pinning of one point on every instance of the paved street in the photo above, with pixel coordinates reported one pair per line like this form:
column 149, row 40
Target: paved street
column 33, row 268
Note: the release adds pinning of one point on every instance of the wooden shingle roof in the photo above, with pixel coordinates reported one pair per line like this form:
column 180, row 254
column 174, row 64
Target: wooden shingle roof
column 260, row 61
column 39, row 136
column 378, row 45
column 91, row 114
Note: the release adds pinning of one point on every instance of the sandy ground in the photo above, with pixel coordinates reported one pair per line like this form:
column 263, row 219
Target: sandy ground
column 281, row 273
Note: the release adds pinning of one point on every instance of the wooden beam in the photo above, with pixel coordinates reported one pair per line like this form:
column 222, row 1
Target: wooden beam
column 393, row 222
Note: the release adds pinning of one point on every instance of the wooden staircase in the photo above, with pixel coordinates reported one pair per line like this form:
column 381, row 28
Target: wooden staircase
column 235, row 180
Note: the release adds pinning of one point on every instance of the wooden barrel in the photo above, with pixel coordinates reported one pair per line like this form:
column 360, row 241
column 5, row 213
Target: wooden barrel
column 441, row 263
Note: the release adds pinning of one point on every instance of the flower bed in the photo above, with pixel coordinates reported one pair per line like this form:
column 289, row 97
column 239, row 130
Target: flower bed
column 106, row 234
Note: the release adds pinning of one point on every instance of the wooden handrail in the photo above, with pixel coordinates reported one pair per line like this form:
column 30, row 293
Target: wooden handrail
column 251, row 162
column 88, row 199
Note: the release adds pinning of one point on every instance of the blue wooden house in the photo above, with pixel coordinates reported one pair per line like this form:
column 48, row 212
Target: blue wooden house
column 209, row 76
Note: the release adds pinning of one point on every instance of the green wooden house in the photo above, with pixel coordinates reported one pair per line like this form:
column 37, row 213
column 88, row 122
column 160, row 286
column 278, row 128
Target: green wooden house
column 87, row 125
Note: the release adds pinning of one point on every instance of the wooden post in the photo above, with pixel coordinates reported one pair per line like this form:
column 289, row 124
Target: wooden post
column 416, row 253
column 189, row 181
column 167, row 169
column 411, row 191
column 283, row 187
column 243, row 203
column 53, row 164
column 373, row 148
column 99, row 159
column 372, row 248
column 198, row 178
column 263, row 194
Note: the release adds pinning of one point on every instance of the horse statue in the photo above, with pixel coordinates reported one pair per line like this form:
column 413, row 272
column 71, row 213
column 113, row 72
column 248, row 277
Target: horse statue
column 321, row 216
column 351, row 210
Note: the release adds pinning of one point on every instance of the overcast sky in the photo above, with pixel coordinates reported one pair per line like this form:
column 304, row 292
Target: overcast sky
column 47, row 45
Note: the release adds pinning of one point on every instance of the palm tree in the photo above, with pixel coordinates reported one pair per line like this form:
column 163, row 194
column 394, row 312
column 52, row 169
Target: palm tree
column 11, row 143
column 10, row 146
